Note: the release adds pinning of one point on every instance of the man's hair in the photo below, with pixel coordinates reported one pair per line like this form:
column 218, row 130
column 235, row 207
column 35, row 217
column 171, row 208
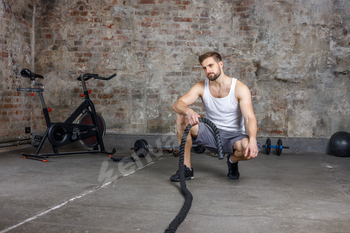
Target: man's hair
column 216, row 56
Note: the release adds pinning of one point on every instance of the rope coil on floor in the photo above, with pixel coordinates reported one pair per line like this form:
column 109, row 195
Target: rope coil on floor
column 187, row 194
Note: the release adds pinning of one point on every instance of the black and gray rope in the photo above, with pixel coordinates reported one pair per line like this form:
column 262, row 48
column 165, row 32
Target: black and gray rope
column 188, row 196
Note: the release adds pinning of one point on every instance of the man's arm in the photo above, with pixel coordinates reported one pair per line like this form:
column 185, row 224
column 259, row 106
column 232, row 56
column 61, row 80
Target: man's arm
column 245, row 102
column 181, row 106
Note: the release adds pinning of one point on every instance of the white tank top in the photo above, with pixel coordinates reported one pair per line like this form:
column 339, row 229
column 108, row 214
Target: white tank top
column 225, row 112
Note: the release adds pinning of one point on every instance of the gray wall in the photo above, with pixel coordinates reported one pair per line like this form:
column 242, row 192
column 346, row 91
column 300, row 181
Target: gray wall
column 15, row 53
column 285, row 51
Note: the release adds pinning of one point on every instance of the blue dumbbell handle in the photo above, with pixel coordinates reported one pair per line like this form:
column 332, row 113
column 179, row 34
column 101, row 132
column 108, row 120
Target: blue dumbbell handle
column 281, row 147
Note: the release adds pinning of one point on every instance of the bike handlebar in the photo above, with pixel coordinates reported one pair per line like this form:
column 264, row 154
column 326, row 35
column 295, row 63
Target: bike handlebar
column 28, row 74
column 88, row 76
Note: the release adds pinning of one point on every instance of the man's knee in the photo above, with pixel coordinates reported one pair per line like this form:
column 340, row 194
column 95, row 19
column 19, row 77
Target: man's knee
column 194, row 131
column 182, row 123
column 240, row 146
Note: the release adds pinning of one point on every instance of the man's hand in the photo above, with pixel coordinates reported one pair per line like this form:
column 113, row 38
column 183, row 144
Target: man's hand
column 252, row 149
column 192, row 117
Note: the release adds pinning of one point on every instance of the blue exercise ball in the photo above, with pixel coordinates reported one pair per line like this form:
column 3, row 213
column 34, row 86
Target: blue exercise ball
column 339, row 144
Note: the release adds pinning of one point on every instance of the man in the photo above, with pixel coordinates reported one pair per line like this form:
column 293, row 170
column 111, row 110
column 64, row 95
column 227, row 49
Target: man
column 227, row 103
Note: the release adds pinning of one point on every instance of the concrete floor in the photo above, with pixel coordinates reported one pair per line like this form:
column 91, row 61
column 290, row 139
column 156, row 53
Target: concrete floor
column 91, row 193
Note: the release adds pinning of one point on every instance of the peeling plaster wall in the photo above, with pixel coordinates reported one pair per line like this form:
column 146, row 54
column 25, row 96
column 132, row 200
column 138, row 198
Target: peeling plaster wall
column 285, row 51
column 297, row 47
column 15, row 53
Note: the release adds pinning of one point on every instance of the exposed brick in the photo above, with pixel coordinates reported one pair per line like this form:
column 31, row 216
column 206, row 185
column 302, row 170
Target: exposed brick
column 245, row 28
column 75, row 13
column 207, row 32
column 5, row 119
column 146, row 24
column 155, row 25
column 82, row 60
column 83, row 19
column 155, row 13
column 242, row 9
column 204, row 14
column 182, row 19
column 105, row 96
column 195, row 44
column 8, row 106
column 147, row 2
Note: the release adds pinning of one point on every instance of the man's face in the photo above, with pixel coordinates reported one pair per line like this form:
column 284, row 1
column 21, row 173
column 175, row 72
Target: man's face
column 211, row 68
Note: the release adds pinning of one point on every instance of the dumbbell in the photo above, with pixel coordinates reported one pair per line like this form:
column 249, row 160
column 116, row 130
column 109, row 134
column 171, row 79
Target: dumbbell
column 169, row 149
column 141, row 148
column 278, row 146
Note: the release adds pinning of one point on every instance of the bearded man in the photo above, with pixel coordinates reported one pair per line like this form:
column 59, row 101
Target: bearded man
column 227, row 103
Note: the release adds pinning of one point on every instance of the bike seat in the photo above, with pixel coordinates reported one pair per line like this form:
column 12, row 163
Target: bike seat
column 28, row 74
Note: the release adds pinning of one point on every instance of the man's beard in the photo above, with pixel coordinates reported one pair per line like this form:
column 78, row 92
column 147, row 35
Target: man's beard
column 216, row 76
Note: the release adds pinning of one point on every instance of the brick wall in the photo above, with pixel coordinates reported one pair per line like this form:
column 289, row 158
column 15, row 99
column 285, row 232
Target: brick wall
column 15, row 50
column 285, row 51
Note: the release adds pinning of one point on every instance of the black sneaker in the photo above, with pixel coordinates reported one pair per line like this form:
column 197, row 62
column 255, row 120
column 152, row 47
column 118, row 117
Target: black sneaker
column 233, row 172
column 188, row 175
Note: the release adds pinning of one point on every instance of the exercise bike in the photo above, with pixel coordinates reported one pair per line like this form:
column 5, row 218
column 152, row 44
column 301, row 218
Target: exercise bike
column 90, row 127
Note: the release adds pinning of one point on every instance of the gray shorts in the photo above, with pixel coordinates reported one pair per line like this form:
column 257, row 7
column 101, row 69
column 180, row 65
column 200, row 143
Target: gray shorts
column 206, row 138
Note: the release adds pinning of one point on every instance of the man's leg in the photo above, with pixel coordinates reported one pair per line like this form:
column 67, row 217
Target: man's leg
column 181, row 124
column 239, row 148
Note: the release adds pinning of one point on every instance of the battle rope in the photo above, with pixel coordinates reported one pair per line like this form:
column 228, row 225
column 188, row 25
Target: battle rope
column 188, row 196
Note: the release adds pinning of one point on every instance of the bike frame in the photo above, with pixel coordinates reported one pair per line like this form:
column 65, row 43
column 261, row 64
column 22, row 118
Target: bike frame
column 86, row 105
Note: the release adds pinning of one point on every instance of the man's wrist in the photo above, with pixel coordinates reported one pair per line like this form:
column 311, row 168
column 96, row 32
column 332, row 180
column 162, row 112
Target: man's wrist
column 252, row 139
column 187, row 111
